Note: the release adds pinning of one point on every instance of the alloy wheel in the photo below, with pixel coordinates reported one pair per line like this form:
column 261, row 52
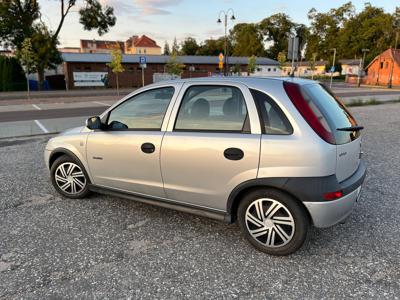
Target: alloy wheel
column 269, row 222
column 70, row 178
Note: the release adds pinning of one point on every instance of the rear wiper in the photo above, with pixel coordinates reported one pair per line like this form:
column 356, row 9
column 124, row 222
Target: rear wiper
column 351, row 128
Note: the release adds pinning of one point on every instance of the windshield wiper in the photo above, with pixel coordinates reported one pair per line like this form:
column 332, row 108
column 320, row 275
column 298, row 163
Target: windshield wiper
column 351, row 128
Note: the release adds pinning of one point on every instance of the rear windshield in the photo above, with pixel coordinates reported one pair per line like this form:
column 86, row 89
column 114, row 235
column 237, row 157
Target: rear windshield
column 330, row 111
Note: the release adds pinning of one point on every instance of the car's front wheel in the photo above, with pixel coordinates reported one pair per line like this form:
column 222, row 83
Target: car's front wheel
column 272, row 221
column 69, row 177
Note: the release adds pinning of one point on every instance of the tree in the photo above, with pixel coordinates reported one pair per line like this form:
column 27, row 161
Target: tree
column 174, row 66
column 175, row 47
column 20, row 19
column 166, row 51
column 247, row 40
column 189, row 46
column 325, row 29
column 27, row 60
column 213, row 47
column 251, row 64
column 12, row 77
column 116, row 64
column 276, row 30
column 281, row 59
column 372, row 29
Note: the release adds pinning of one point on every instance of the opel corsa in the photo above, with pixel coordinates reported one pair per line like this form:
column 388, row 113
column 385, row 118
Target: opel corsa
column 274, row 154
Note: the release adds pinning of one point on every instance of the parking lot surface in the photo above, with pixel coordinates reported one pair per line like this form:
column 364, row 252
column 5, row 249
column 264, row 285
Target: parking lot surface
column 106, row 247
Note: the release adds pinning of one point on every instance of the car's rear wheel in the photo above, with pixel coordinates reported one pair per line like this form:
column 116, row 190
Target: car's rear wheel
column 272, row 221
column 69, row 177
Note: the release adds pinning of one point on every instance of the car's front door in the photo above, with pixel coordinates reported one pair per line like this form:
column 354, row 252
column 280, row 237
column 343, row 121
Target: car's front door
column 126, row 154
column 211, row 145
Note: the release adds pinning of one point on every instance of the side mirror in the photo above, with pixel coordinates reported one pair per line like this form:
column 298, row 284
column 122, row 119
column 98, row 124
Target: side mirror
column 93, row 123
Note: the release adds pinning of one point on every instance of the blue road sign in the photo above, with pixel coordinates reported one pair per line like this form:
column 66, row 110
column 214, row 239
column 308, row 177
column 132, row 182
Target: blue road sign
column 332, row 69
column 142, row 60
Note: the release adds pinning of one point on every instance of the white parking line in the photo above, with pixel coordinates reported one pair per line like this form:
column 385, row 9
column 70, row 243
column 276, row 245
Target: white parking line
column 101, row 103
column 37, row 107
column 40, row 125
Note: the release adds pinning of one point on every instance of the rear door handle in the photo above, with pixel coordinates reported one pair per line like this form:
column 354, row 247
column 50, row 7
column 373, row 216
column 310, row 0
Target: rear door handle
column 148, row 148
column 233, row 154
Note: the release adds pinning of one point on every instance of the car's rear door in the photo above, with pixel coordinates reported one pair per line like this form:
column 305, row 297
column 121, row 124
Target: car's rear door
column 211, row 145
column 126, row 155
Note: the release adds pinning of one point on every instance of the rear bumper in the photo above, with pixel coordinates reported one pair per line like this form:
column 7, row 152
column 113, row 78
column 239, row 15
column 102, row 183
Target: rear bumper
column 328, row 213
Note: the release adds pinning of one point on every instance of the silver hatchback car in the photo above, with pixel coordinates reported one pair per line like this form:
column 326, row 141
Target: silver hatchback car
column 274, row 154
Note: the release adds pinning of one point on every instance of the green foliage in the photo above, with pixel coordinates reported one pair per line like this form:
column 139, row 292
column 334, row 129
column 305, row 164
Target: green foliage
column 276, row 29
column 213, row 47
column 166, row 51
column 93, row 16
column 12, row 77
column 20, row 19
column 189, row 46
column 175, row 47
column 173, row 66
column 252, row 64
column 247, row 40
column 281, row 59
column 116, row 61
column 26, row 56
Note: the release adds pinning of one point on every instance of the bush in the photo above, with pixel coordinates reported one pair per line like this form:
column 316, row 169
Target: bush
column 12, row 77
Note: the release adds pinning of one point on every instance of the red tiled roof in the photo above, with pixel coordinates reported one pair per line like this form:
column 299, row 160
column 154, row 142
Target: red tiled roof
column 145, row 41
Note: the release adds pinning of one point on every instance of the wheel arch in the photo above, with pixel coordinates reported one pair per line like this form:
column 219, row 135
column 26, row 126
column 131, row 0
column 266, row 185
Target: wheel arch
column 261, row 183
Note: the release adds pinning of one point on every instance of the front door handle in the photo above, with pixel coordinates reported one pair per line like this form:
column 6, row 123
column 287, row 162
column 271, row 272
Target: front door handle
column 148, row 148
column 233, row 154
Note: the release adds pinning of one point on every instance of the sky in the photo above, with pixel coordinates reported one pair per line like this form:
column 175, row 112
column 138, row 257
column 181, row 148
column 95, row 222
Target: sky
column 163, row 20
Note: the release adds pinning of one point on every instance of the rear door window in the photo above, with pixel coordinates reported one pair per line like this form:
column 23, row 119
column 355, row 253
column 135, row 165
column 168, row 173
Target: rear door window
column 273, row 119
column 330, row 111
column 212, row 108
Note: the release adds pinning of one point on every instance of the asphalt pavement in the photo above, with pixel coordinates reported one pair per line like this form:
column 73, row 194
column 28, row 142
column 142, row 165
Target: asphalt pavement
column 109, row 248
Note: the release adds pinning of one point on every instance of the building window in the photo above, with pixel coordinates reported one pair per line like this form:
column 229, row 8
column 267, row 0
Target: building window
column 387, row 65
column 144, row 51
column 381, row 65
column 87, row 68
column 269, row 69
column 274, row 69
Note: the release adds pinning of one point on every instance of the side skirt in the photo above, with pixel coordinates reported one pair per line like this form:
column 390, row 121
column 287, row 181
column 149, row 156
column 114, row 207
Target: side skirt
column 183, row 207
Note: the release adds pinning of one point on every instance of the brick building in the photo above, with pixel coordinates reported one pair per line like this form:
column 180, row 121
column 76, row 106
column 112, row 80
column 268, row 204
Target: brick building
column 91, row 70
column 379, row 70
column 95, row 46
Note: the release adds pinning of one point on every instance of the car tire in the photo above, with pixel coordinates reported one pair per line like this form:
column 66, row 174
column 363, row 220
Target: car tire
column 69, row 177
column 273, row 221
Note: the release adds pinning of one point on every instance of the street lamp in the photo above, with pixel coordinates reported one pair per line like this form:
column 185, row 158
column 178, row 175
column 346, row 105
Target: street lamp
column 361, row 67
column 333, row 65
column 226, row 15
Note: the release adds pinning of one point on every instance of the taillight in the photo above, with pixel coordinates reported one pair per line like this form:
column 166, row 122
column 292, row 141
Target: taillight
column 333, row 195
column 295, row 95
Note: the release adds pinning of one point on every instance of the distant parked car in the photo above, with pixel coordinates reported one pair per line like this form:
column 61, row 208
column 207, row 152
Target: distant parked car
column 276, row 155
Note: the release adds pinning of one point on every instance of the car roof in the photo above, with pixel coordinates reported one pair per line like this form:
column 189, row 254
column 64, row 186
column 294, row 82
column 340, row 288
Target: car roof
column 248, row 80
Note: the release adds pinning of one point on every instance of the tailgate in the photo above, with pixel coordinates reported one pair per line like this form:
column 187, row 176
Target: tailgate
column 347, row 159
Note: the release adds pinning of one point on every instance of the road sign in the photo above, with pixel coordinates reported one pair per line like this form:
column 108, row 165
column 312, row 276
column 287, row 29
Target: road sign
column 221, row 57
column 293, row 48
column 332, row 69
column 221, row 65
column 142, row 60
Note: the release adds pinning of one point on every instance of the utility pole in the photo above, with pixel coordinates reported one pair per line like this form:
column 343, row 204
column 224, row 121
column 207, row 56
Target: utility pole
column 333, row 66
column 226, row 14
column 392, row 68
column 361, row 67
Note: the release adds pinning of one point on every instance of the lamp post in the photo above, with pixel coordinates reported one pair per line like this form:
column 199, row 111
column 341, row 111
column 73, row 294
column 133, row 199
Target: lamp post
column 361, row 68
column 225, row 15
column 333, row 66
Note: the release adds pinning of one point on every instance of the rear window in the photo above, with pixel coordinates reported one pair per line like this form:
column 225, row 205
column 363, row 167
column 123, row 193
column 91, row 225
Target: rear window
column 331, row 112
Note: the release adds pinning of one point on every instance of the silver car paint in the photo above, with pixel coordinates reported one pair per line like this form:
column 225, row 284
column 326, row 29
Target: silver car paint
column 190, row 171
